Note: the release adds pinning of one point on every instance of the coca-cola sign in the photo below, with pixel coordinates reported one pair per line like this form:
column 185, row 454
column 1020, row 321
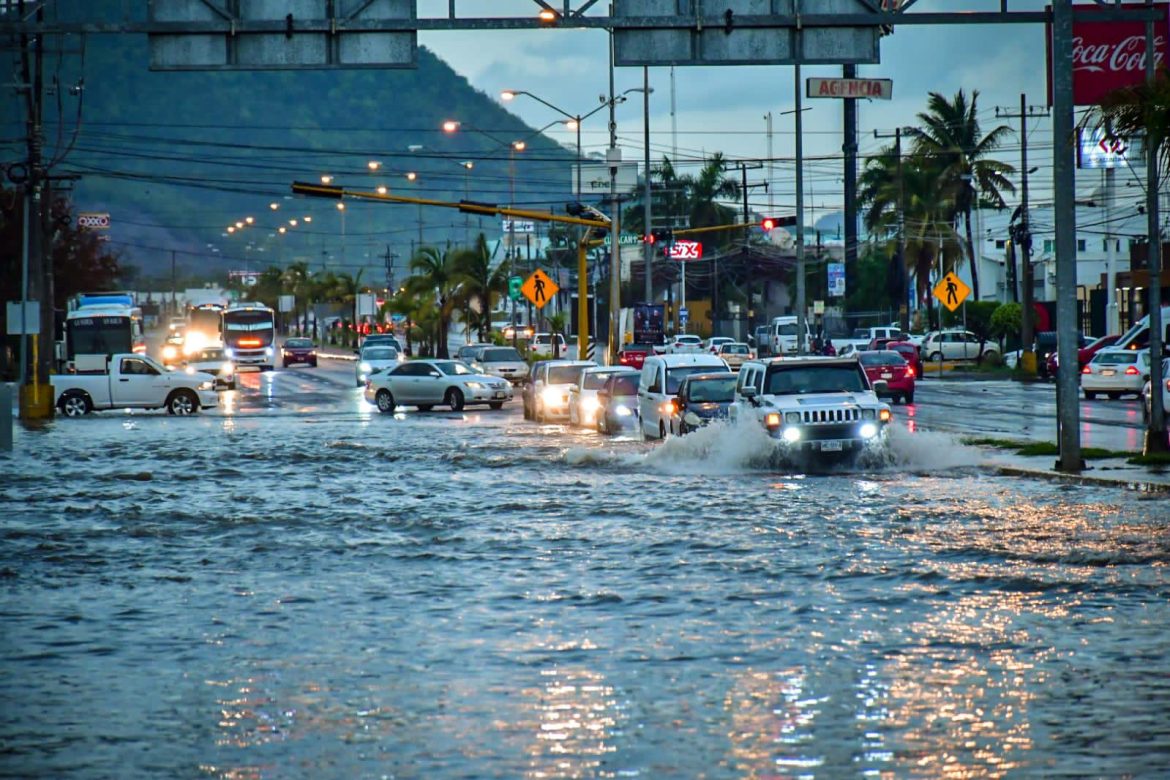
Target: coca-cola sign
column 1111, row 55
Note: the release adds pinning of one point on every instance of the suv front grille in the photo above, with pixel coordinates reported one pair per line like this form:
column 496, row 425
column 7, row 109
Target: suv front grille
column 820, row 416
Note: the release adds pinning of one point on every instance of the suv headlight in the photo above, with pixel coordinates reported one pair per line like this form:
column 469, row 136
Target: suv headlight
column 792, row 417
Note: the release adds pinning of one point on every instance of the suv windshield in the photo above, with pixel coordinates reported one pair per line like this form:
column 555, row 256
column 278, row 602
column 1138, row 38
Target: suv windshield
column 501, row 355
column 624, row 385
column 563, row 375
column 711, row 390
column 675, row 376
column 791, row 380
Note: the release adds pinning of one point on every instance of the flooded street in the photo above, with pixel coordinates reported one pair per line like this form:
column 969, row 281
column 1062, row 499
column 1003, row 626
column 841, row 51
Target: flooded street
column 298, row 586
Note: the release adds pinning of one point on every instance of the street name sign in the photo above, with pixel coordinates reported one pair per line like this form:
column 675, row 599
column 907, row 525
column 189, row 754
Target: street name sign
column 879, row 89
column 539, row 288
column 951, row 292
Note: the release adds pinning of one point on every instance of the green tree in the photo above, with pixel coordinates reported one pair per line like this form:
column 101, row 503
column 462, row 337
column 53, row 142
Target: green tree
column 1006, row 322
column 436, row 274
column 952, row 138
column 558, row 323
column 478, row 282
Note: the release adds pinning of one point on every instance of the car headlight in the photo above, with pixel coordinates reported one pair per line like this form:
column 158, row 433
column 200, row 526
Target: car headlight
column 268, row 351
column 227, row 369
column 229, row 352
column 475, row 385
column 552, row 396
column 169, row 352
column 868, row 430
column 792, row 417
column 791, row 435
column 621, row 410
column 590, row 405
column 207, row 385
column 365, row 367
column 868, row 414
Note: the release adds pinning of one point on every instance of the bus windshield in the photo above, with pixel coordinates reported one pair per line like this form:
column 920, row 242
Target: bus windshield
column 99, row 336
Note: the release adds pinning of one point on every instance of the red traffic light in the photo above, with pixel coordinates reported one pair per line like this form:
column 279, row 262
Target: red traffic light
column 769, row 223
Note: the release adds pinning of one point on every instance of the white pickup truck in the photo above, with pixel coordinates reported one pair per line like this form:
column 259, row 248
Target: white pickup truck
column 134, row 382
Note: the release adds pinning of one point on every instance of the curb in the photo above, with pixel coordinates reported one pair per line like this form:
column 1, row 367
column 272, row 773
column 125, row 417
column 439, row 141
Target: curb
column 1136, row 484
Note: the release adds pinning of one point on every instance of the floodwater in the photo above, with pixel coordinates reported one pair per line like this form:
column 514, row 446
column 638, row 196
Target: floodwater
column 304, row 588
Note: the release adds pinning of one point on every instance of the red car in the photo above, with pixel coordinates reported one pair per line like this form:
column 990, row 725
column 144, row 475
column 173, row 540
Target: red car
column 889, row 367
column 1084, row 354
column 633, row 355
column 909, row 351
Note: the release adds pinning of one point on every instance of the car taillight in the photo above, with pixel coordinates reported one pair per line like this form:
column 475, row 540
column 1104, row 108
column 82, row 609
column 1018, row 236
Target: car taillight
column 909, row 371
column 1086, row 370
column 1131, row 371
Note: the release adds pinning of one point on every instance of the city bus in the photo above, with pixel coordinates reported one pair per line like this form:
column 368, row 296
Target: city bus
column 249, row 335
column 95, row 331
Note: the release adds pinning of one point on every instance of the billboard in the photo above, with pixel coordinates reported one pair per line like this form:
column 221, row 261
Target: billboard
column 1097, row 149
column 1111, row 55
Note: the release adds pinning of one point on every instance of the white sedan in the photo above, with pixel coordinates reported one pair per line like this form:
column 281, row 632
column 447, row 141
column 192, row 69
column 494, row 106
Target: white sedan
column 1115, row 372
column 212, row 360
column 583, row 403
column 372, row 359
column 427, row 383
column 684, row 343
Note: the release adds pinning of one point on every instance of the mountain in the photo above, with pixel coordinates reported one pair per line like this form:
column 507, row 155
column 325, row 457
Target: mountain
column 175, row 157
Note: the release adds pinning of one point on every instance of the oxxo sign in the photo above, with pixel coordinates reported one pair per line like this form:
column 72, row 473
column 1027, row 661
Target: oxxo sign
column 93, row 221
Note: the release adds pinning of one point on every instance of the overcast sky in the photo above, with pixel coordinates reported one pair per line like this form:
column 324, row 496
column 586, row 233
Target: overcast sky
column 723, row 108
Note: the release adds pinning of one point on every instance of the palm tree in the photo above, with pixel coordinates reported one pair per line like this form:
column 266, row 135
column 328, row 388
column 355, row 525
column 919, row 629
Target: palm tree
column 436, row 275
column 953, row 139
column 557, row 323
column 478, row 281
column 297, row 281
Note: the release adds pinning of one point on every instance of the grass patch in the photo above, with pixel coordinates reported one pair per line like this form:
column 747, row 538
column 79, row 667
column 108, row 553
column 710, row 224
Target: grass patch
column 1152, row 459
column 1039, row 448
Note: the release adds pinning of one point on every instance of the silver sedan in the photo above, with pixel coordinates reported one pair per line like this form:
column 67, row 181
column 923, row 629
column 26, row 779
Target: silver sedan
column 428, row 383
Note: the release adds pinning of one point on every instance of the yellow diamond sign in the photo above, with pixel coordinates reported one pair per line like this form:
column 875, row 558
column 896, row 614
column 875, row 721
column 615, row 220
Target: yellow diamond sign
column 539, row 289
column 951, row 291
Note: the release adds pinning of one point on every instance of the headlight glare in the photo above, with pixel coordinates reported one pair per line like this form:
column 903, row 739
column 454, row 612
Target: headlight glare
column 868, row 430
column 365, row 367
column 621, row 410
column 791, row 435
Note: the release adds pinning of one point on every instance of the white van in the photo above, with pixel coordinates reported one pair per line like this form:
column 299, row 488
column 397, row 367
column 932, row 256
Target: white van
column 1138, row 337
column 783, row 332
column 660, row 380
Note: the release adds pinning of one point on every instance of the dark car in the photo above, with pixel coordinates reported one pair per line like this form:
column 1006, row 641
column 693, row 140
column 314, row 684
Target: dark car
column 910, row 352
column 1045, row 345
column 617, row 402
column 702, row 398
column 1084, row 354
column 298, row 350
column 891, row 368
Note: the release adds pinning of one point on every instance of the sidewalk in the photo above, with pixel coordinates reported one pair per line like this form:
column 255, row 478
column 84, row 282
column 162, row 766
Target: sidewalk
column 1110, row 472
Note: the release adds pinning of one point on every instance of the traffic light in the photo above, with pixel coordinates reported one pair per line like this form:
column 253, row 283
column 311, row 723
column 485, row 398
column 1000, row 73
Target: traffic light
column 660, row 236
column 768, row 223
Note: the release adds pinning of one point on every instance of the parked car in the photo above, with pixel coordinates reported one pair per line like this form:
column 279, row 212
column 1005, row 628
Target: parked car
column 468, row 352
column 735, row 354
column 542, row 344
column 910, row 352
column 504, row 362
column 373, row 359
column 1116, row 372
column 214, row 361
column 701, row 399
column 427, row 383
column 298, row 350
column 583, row 403
column 1045, row 344
column 1146, row 393
column 712, row 344
column 1084, row 354
column 888, row 367
column 662, row 375
column 956, row 345
column 617, row 402
column 684, row 343
column 633, row 355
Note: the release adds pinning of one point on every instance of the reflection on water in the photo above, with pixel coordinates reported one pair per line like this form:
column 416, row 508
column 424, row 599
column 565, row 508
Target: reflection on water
column 353, row 594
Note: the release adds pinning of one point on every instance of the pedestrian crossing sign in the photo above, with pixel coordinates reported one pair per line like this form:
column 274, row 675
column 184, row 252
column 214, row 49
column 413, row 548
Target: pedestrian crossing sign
column 539, row 289
column 951, row 292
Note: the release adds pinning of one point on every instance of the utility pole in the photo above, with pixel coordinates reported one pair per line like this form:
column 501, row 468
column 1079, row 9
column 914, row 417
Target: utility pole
column 849, row 148
column 900, row 259
column 647, row 248
column 1024, row 232
column 1156, row 440
column 613, row 157
column 36, row 394
column 1064, row 192
column 801, row 304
